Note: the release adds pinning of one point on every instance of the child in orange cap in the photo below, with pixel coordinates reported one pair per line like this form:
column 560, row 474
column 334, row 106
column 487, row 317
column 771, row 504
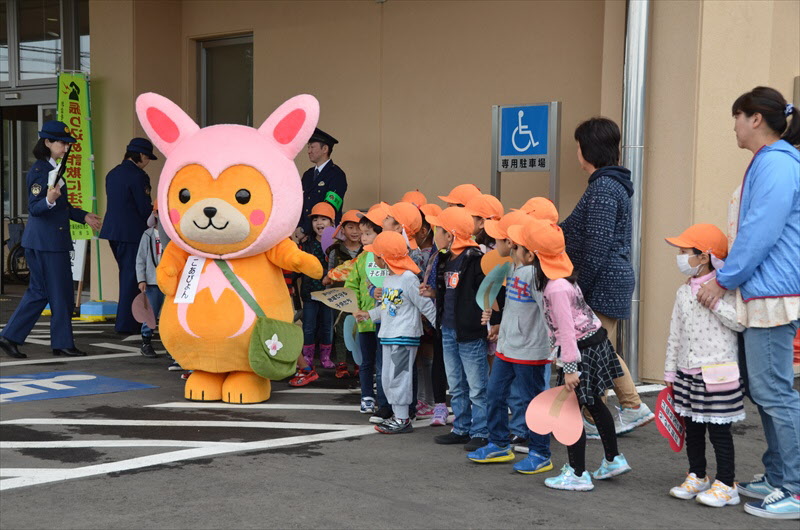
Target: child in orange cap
column 541, row 208
column 346, row 246
column 460, row 195
column 406, row 219
column 400, row 314
column 701, row 367
column 317, row 317
column 415, row 197
column 464, row 338
column 520, row 394
column 520, row 371
column 586, row 358
column 373, row 400
column 482, row 208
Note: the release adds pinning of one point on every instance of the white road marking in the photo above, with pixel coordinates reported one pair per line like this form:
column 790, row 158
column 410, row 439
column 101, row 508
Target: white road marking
column 253, row 406
column 69, row 359
column 32, row 477
column 183, row 423
column 73, row 444
column 307, row 390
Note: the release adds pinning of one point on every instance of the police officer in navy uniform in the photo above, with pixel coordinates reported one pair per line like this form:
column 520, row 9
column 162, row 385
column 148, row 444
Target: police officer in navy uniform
column 47, row 244
column 324, row 182
column 128, row 206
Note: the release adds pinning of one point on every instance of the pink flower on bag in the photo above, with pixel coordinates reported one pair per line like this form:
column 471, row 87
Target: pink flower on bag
column 274, row 345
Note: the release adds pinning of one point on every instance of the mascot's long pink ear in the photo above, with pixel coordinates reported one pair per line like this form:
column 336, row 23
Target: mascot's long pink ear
column 292, row 124
column 164, row 122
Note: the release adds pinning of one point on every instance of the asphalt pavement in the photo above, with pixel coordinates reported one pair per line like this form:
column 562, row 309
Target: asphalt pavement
column 119, row 447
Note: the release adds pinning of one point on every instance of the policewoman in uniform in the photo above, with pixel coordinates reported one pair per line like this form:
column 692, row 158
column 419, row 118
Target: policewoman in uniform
column 128, row 206
column 47, row 244
column 324, row 182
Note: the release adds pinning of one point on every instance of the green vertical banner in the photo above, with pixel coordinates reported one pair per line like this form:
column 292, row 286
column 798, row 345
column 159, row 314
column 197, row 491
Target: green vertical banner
column 73, row 109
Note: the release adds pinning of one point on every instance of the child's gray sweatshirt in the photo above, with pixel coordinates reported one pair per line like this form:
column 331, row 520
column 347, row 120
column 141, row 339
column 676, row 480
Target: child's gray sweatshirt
column 400, row 310
column 523, row 332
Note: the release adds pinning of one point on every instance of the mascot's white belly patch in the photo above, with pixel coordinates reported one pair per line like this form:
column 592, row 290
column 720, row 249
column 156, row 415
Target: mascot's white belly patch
column 214, row 280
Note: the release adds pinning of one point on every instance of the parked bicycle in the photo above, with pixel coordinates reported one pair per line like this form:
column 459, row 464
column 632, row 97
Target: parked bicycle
column 16, row 265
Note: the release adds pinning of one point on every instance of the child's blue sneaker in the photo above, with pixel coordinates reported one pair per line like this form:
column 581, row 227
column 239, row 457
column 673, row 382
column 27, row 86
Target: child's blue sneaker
column 534, row 463
column 780, row 504
column 491, row 453
column 758, row 488
column 607, row 469
column 567, row 480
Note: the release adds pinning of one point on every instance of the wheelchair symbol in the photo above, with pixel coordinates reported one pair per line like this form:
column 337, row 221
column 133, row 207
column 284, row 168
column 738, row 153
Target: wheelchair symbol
column 523, row 130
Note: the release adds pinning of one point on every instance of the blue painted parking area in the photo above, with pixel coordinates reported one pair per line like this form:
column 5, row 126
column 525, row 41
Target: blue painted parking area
column 54, row 385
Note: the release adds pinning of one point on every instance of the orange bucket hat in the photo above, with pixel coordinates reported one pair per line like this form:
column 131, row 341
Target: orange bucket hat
column 392, row 248
column 541, row 208
column 498, row 229
column 377, row 213
column 546, row 240
column 415, row 197
column 458, row 222
column 461, row 194
column 705, row 238
column 325, row 209
column 485, row 206
column 350, row 216
column 407, row 215
column 430, row 209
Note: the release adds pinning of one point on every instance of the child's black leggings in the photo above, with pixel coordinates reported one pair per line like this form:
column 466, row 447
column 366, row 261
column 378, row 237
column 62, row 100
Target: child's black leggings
column 608, row 435
column 721, row 439
column 438, row 373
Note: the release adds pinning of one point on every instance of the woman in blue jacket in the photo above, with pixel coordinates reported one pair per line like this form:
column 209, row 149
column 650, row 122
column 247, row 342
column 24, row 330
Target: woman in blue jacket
column 764, row 265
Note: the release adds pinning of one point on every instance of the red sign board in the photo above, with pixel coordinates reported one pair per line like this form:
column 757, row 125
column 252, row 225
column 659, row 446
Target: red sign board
column 669, row 423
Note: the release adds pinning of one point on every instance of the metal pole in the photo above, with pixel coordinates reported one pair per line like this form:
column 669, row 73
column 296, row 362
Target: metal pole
column 633, row 111
column 555, row 150
column 495, row 180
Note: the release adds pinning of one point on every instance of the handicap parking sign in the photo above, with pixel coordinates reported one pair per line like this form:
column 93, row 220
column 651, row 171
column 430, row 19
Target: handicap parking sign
column 52, row 385
column 524, row 130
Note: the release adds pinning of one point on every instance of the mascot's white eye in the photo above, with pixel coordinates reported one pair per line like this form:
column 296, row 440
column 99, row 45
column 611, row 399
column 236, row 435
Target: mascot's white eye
column 184, row 196
column 242, row 196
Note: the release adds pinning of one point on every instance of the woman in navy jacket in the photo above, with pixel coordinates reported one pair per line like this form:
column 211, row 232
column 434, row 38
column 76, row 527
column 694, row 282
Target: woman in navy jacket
column 47, row 244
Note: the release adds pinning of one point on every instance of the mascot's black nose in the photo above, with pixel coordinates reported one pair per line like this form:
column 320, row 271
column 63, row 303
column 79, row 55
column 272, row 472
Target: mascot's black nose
column 210, row 211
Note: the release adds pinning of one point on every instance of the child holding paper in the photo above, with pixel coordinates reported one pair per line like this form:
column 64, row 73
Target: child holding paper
column 400, row 313
column 317, row 317
column 346, row 247
column 586, row 358
column 701, row 367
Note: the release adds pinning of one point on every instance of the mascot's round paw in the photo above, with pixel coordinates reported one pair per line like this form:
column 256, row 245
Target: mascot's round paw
column 245, row 387
column 204, row 386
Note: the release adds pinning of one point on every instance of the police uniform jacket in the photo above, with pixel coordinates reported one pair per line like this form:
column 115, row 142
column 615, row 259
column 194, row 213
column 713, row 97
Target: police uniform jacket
column 48, row 228
column 330, row 185
column 128, row 203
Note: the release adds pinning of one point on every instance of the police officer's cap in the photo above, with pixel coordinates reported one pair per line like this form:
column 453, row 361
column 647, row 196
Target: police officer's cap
column 142, row 145
column 56, row 130
column 323, row 138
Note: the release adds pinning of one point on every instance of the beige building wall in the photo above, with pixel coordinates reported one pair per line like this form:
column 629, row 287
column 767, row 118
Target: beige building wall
column 407, row 87
column 703, row 56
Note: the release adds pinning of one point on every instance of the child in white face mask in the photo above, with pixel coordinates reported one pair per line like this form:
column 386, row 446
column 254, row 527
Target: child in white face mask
column 701, row 367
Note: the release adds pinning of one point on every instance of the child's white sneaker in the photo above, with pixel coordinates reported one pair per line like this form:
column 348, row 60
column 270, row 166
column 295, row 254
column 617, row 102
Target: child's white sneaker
column 719, row 495
column 690, row 487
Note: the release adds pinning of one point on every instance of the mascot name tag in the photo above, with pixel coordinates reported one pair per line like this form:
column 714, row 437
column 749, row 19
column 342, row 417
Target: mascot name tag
column 190, row 279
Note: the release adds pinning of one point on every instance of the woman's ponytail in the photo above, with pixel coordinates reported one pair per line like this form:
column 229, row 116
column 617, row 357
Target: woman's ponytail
column 792, row 134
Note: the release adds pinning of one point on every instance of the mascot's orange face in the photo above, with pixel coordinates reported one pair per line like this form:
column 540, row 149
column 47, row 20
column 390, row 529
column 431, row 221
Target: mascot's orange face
column 222, row 215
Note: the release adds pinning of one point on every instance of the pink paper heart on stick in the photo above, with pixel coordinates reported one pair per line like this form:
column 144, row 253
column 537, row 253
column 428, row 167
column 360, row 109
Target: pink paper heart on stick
column 556, row 410
column 143, row 311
